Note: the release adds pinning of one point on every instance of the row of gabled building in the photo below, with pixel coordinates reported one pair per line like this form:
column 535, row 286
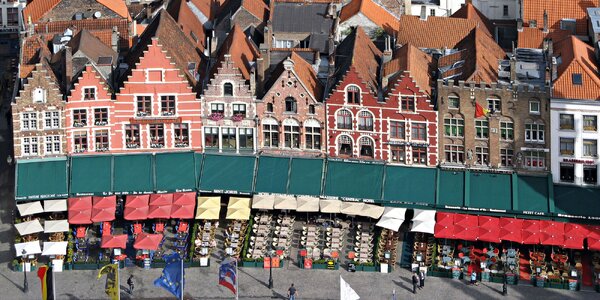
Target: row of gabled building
column 288, row 78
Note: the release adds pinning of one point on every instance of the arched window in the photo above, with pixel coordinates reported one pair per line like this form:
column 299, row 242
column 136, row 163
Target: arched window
column 291, row 133
column 344, row 119
column 344, row 145
column 353, row 94
column 365, row 121
column 228, row 89
column 290, row 105
column 312, row 134
column 269, row 107
column 270, row 133
column 366, row 147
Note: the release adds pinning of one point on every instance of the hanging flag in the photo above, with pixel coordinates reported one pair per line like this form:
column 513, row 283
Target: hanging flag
column 228, row 275
column 480, row 111
column 172, row 278
column 111, row 288
column 347, row 292
column 46, row 277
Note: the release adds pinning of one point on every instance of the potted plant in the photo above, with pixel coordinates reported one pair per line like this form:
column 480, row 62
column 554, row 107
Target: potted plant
column 260, row 262
column 369, row 267
column 248, row 262
column 215, row 116
column 238, row 117
column 16, row 266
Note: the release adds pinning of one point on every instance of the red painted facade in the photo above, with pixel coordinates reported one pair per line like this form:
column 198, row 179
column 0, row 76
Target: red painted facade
column 382, row 130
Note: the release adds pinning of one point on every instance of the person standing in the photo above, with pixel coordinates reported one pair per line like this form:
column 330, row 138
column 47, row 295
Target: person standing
column 474, row 277
column 292, row 292
column 422, row 279
column 415, row 281
column 130, row 284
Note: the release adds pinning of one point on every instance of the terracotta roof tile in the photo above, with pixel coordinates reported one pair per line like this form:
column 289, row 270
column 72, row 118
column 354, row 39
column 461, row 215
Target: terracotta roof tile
column 531, row 37
column 470, row 12
column 37, row 9
column 435, row 32
column 242, row 50
column 190, row 23
column 483, row 54
column 418, row 64
column 118, row 6
column 95, row 26
column 34, row 49
column 357, row 51
column 372, row 11
column 258, row 8
column 577, row 58
column 558, row 10
column 308, row 1
column 306, row 73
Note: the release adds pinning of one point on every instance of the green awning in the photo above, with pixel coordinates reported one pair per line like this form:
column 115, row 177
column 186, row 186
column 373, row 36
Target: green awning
column 409, row 185
column 576, row 202
column 175, row 172
column 306, row 176
column 491, row 191
column 533, row 194
column 229, row 174
column 133, row 174
column 272, row 174
column 354, row 180
column 198, row 160
column 451, row 188
column 91, row 175
column 36, row 179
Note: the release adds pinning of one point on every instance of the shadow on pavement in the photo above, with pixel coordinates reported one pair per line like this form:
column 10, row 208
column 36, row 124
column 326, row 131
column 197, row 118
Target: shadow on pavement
column 402, row 285
column 19, row 286
column 248, row 274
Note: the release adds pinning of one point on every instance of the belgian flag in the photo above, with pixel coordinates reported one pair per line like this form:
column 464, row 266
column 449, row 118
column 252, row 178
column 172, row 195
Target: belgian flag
column 46, row 277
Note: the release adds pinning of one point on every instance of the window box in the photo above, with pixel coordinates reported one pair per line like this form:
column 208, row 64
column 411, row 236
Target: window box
column 566, row 152
column 215, row 116
column 182, row 145
column 78, row 124
column 132, row 146
column 167, row 113
column 590, row 128
column 142, row 114
column 156, row 145
column 238, row 117
column 103, row 149
column 80, row 150
column 100, row 123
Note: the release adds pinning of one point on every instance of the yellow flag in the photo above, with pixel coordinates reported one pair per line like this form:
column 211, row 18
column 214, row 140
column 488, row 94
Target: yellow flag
column 112, row 280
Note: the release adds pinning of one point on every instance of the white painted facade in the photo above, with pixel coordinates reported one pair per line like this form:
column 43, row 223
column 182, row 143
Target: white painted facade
column 445, row 9
column 579, row 109
column 10, row 15
column 498, row 9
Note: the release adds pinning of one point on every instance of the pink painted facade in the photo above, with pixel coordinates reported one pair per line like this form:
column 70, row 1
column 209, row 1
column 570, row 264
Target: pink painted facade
column 156, row 109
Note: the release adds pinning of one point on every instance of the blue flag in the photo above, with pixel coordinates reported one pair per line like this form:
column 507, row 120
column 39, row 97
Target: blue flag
column 172, row 278
column 228, row 274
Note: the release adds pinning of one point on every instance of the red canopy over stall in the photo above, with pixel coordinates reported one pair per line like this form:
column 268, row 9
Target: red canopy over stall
column 489, row 229
column 160, row 206
column 510, row 229
column 146, row 241
column 103, row 208
column 444, row 231
column 183, row 205
column 530, row 232
column 552, row 233
column 136, row 207
column 574, row 235
column 443, row 218
column 80, row 210
column 114, row 241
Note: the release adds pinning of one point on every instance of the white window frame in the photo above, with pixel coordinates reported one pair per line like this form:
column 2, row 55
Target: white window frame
column 30, row 146
column 535, row 129
column 28, row 119
column 89, row 87
column 54, row 142
column 539, row 107
column 54, row 119
column 35, row 98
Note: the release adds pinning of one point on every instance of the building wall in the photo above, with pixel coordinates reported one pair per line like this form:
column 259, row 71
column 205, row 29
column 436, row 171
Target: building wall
column 289, row 85
column 5, row 6
column 39, row 81
column 494, row 9
column 577, row 160
column 243, row 93
column 172, row 82
column 357, row 20
column 445, row 9
column 89, row 78
column 514, row 108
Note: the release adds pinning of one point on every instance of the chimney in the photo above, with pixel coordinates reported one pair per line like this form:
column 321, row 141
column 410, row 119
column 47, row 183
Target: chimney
column 68, row 72
column 407, row 7
column 253, row 91
column 513, row 69
column 114, row 39
column 148, row 10
column 519, row 25
column 545, row 30
column 423, row 15
column 387, row 53
column 261, row 70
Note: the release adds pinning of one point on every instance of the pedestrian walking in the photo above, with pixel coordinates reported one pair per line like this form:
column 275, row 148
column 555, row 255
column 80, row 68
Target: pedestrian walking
column 422, row 279
column 415, row 281
column 474, row 277
column 292, row 292
column 130, row 284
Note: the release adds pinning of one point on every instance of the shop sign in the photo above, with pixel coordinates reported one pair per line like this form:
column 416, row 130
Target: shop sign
column 154, row 120
column 578, row 217
column 579, row 161
column 267, row 263
column 308, row 263
column 275, row 262
column 356, row 161
column 534, row 213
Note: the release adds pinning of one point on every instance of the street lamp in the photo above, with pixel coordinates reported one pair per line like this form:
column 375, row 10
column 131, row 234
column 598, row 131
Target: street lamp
column 25, row 284
column 270, row 268
column 9, row 160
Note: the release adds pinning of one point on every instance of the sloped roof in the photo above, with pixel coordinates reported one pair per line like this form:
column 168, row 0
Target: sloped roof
column 118, row 7
column 558, row 10
column 435, row 32
column 410, row 59
column 257, row 8
column 470, row 12
column 91, row 46
column 358, row 51
column 531, row 37
column 306, row 73
column 186, row 18
column 483, row 54
column 577, row 58
column 38, row 8
column 242, row 50
column 173, row 41
column 301, row 16
column 34, row 49
column 373, row 11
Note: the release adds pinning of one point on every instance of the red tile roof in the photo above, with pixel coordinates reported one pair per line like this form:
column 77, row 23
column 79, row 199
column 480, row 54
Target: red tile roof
column 102, row 28
column 357, row 51
column 470, row 12
column 577, row 58
column 190, row 23
column 531, row 37
column 118, row 6
column 558, row 10
column 418, row 65
column 307, row 75
column 258, row 8
column 372, row 11
column 37, row 8
column 241, row 49
column 435, row 32
column 483, row 54
column 34, row 49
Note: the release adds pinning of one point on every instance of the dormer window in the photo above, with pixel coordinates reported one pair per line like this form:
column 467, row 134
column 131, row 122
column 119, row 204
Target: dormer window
column 577, row 79
column 89, row 93
column 39, row 95
column 353, row 94
column 227, row 89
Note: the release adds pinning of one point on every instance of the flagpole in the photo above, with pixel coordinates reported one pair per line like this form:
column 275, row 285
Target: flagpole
column 53, row 283
column 182, row 287
column 118, row 282
column 237, row 279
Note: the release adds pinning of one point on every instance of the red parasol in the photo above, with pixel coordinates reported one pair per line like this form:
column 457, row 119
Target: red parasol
column 444, row 218
column 160, row 206
column 114, row 241
column 147, row 241
column 489, row 229
column 467, row 221
column 530, row 232
column 183, row 205
column 594, row 231
column 552, row 233
column 510, row 229
column 136, row 207
column 104, row 208
column 574, row 235
column 466, row 233
column 593, row 244
column 80, row 210
column 444, row 231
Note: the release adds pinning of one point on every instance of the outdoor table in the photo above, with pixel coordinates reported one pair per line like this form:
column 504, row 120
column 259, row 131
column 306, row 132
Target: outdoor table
column 335, row 246
column 312, row 233
column 234, row 244
column 286, row 221
column 311, row 244
column 235, row 235
column 229, row 250
column 335, row 240
column 207, row 226
column 237, row 226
